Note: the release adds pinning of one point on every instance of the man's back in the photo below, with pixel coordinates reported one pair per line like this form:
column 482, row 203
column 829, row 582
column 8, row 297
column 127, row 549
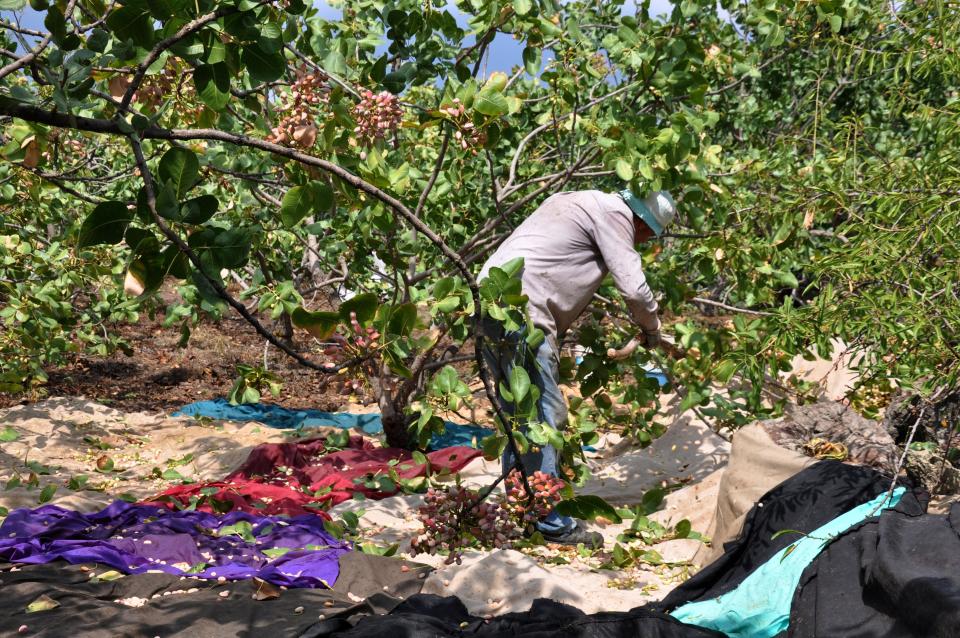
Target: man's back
column 568, row 245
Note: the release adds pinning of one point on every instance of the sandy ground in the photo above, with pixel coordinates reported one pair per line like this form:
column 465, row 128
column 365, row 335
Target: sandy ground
column 63, row 438
column 507, row 580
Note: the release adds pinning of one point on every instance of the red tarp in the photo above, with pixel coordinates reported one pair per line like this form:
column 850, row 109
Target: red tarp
column 298, row 478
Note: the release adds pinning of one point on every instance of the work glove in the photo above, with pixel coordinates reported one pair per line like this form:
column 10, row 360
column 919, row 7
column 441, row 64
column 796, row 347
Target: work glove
column 651, row 340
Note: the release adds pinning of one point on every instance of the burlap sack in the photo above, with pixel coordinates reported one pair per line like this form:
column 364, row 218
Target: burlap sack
column 756, row 466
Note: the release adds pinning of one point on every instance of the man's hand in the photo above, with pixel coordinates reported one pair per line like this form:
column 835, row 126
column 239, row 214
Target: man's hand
column 648, row 340
column 651, row 340
column 625, row 351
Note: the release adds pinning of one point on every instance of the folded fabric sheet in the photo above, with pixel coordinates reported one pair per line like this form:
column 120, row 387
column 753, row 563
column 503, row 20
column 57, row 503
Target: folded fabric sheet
column 300, row 477
column 760, row 606
column 145, row 605
column 133, row 539
column 279, row 417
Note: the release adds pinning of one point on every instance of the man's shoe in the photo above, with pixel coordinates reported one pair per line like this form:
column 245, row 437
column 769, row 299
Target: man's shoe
column 579, row 534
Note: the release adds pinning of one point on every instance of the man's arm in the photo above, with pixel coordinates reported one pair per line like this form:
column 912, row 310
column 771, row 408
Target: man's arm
column 613, row 234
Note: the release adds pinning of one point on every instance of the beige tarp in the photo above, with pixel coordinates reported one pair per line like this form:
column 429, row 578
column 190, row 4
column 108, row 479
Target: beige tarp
column 756, row 466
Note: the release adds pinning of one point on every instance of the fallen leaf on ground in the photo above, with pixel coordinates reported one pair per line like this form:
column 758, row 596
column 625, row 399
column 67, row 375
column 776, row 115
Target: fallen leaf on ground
column 44, row 603
column 264, row 590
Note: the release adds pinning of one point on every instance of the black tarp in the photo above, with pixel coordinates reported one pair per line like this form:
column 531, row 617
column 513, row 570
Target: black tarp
column 367, row 585
column 896, row 575
column 429, row 616
column 804, row 502
column 892, row 576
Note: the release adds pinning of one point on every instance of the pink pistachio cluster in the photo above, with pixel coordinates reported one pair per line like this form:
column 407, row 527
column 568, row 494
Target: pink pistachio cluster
column 298, row 126
column 357, row 343
column 449, row 522
column 467, row 136
column 377, row 115
column 546, row 495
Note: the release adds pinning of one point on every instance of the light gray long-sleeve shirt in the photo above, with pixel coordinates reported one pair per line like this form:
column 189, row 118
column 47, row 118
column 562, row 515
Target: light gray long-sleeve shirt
column 569, row 244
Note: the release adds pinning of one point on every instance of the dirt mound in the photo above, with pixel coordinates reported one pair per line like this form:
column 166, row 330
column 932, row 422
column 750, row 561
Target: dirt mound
column 827, row 429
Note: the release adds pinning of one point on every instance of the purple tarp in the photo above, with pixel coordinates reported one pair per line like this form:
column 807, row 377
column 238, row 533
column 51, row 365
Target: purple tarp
column 295, row 551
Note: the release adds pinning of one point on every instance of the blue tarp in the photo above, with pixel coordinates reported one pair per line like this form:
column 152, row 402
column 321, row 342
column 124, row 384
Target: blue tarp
column 759, row 607
column 280, row 417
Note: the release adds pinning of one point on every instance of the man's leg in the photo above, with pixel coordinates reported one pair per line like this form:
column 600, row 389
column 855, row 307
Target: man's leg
column 553, row 411
column 501, row 352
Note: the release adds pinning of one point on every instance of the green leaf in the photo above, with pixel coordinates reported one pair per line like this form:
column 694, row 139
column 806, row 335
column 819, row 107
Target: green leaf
column 133, row 23
column 180, row 169
column 395, row 82
column 302, row 201
column 522, row 7
column 276, row 552
column 47, row 493
column 403, row 319
column 12, row 5
column 682, row 529
column 493, row 446
column 787, row 552
column 490, row 102
column 624, row 170
column 199, row 209
column 322, row 195
column 8, row 434
column 692, row 399
column 262, row 65
column 379, row 69
column 531, row 60
column 519, row 383
column 646, row 170
column 447, row 380
column 105, row 225
column 243, row 529
column 363, row 305
column 212, row 82
column 175, row 263
column 783, row 232
column 496, row 83
column 836, row 22
column 98, row 40
column 319, row 324
column 141, row 241
column 447, row 304
column 725, row 370
column 108, row 576
column 782, row 532
column 787, row 278
column 162, row 9
column 296, row 205
column 43, row 603
column 652, row 499
column 588, row 508
column 419, row 458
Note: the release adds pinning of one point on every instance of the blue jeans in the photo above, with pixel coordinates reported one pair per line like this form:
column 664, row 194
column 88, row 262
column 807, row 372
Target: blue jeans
column 504, row 350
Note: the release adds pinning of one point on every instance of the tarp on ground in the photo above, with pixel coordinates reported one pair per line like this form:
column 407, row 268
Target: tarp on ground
column 148, row 605
column 898, row 575
column 455, row 434
column 766, row 453
column 134, row 539
column 302, row 476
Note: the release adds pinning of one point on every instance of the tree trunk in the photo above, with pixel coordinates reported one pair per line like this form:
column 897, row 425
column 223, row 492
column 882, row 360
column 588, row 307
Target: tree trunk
column 396, row 424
